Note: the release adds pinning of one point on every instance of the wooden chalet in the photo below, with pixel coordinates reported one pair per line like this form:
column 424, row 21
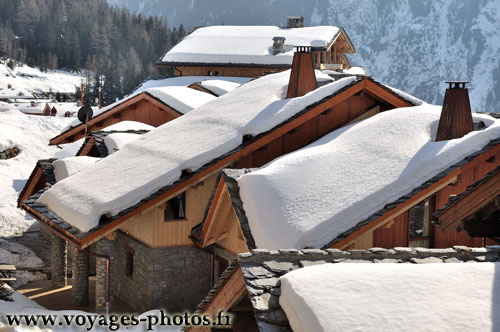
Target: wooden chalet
column 142, row 107
column 190, row 56
column 408, row 221
column 249, row 289
column 153, row 236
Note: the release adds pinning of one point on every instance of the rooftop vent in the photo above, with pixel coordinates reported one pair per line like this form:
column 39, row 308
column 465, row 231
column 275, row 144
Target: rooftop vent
column 302, row 76
column 456, row 116
column 295, row 22
column 278, row 45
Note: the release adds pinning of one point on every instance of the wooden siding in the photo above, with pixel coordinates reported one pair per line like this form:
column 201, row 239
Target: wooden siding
column 346, row 112
column 208, row 70
column 150, row 228
column 388, row 232
column 393, row 234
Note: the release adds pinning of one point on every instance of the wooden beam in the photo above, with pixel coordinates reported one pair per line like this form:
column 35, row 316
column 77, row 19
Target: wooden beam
column 88, row 144
column 474, row 201
column 383, row 94
column 31, row 185
column 211, row 212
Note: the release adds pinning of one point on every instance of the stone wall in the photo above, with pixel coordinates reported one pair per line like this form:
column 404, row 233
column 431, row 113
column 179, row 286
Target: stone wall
column 174, row 278
column 104, row 247
column 80, row 278
column 59, row 259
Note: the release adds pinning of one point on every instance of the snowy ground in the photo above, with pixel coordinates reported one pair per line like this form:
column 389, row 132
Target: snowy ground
column 28, row 80
column 31, row 135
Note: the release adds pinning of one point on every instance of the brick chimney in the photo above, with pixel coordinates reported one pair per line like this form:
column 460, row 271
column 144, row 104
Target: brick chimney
column 302, row 76
column 456, row 116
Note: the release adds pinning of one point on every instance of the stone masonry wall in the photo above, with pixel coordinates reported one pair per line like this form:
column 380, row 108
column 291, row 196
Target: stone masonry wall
column 80, row 278
column 59, row 261
column 104, row 247
column 174, row 278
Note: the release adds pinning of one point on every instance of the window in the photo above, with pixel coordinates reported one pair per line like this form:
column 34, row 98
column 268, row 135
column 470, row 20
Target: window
column 175, row 208
column 420, row 225
column 129, row 261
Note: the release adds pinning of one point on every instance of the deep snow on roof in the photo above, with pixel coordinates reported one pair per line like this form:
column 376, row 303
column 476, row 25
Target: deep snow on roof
column 308, row 197
column 158, row 158
column 392, row 297
column 247, row 44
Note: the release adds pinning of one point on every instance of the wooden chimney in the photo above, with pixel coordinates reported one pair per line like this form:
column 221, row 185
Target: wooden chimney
column 456, row 116
column 302, row 76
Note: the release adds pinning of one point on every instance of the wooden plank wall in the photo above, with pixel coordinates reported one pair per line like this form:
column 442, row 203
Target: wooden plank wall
column 471, row 173
column 392, row 234
column 395, row 232
column 224, row 71
column 150, row 228
column 334, row 118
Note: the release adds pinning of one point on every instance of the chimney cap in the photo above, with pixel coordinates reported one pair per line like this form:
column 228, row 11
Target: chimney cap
column 303, row 49
column 457, row 84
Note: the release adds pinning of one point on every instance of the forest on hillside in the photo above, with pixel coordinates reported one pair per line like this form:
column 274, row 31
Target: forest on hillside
column 118, row 47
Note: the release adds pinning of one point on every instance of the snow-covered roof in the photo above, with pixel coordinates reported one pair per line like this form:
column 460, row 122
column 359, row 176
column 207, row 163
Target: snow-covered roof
column 293, row 202
column 72, row 165
column 116, row 141
column 219, row 87
column 247, row 44
column 369, row 291
column 392, row 297
column 188, row 142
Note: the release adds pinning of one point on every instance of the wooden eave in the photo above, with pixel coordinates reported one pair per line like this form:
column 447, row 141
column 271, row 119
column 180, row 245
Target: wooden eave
column 53, row 227
column 87, row 146
column 34, row 180
column 450, row 178
column 78, row 132
column 229, row 294
column 242, row 151
column 343, row 38
column 474, row 201
column 199, row 87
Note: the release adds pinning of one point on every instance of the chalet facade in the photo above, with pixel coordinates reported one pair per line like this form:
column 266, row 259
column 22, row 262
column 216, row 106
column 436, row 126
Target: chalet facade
column 153, row 262
column 408, row 221
column 251, row 51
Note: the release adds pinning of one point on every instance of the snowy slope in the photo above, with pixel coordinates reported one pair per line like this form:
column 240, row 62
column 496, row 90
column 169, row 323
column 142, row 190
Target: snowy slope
column 393, row 297
column 31, row 134
column 29, row 80
column 293, row 202
column 412, row 45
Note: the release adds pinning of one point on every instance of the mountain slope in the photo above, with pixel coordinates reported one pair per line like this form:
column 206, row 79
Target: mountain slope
column 413, row 45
